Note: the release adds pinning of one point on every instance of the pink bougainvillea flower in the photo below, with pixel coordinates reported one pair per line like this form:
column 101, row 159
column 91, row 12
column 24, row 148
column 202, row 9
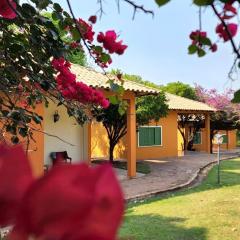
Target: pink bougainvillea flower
column 214, row 47
column 93, row 19
column 75, row 90
column 74, row 45
column 15, row 178
column 222, row 33
column 86, row 30
column 110, row 43
column 121, row 48
column 6, row 11
column 72, row 202
column 195, row 34
column 228, row 11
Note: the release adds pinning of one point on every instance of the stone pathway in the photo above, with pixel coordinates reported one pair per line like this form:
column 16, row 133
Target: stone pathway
column 168, row 174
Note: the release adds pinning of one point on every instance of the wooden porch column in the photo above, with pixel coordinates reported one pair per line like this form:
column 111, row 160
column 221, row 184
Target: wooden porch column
column 207, row 127
column 131, row 138
column 89, row 145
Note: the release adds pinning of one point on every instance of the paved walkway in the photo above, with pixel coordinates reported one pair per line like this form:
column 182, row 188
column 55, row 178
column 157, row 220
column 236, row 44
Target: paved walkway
column 170, row 173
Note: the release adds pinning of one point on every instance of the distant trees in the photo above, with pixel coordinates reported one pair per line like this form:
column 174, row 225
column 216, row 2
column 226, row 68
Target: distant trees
column 227, row 116
column 180, row 89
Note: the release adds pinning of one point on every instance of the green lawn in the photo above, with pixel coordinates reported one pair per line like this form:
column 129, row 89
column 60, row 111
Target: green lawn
column 207, row 212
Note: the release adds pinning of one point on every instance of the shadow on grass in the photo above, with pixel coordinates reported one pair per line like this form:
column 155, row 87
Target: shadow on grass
column 159, row 228
column 229, row 176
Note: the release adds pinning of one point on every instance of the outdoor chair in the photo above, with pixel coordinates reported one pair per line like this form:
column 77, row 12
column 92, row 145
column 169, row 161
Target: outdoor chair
column 60, row 158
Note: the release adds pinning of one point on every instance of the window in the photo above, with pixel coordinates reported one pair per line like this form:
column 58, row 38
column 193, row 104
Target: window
column 150, row 136
column 197, row 139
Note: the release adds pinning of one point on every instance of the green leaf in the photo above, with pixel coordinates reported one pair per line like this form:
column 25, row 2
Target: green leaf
column 203, row 2
column 236, row 98
column 105, row 57
column 57, row 7
column 75, row 34
column 15, row 139
column 114, row 100
column 28, row 10
column 98, row 49
column 11, row 128
column 23, row 131
column 201, row 52
column 205, row 41
column 192, row 49
column 41, row 4
column 161, row 2
column 37, row 119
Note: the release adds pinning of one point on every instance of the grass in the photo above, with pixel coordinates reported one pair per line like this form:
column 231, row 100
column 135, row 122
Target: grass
column 142, row 167
column 206, row 212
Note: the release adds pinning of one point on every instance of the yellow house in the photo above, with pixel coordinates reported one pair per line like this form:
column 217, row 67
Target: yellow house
column 157, row 139
column 83, row 143
column 67, row 135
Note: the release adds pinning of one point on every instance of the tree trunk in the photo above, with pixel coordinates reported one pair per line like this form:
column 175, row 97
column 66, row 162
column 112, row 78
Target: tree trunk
column 111, row 150
column 211, row 140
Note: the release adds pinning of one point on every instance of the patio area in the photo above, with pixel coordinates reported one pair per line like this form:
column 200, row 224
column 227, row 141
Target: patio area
column 168, row 174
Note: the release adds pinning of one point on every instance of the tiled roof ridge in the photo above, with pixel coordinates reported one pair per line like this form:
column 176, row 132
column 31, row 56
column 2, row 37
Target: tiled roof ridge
column 109, row 74
column 195, row 101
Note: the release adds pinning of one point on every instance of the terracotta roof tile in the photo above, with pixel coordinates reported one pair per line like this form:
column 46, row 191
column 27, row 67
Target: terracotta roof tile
column 95, row 79
column 180, row 103
column 100, row 80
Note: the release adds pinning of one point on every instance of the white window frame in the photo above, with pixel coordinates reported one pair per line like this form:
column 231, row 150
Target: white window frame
column 146, row 126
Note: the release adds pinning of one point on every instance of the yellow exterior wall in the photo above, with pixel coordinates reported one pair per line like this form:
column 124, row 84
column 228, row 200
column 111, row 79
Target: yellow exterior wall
column 169, row 148
column 232, row 139
column 180, row 144
column 99, row 140
column 36, row 149
column 100, row 146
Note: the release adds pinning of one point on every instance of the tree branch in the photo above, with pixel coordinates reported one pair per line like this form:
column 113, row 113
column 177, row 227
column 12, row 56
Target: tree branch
column 138, row 7
column 227, row 31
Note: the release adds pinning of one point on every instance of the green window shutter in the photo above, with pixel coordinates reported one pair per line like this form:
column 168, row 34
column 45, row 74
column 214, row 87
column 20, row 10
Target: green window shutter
column 143, row 136
column 197, row 138
column 158, row 136
column 225, row 139
column 149, row 136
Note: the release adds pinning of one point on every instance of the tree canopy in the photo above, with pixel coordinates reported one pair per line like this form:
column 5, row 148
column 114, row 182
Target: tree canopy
column 180, row 89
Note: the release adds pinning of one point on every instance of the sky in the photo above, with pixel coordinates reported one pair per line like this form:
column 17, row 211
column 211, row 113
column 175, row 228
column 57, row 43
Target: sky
column 157, row 47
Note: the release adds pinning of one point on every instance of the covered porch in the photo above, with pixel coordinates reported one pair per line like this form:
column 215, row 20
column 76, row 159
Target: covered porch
column 96, row 131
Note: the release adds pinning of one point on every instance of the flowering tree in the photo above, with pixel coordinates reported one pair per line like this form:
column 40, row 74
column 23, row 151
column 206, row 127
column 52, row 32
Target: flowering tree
column 33, row 66
column 227, row 115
